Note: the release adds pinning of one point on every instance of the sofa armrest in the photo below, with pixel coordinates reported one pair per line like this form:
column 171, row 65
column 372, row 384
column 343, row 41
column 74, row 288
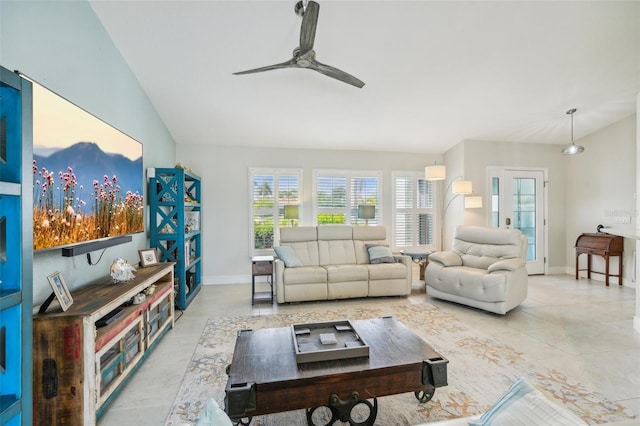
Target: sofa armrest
column 278, row 277
column 446, row 258
column 405, row 260
column 507, row 264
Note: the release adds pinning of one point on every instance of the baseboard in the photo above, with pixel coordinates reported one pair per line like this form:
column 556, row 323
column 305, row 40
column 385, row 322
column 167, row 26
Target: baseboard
column 558, row 270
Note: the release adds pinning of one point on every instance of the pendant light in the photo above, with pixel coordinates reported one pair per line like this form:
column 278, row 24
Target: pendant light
column 572, row 148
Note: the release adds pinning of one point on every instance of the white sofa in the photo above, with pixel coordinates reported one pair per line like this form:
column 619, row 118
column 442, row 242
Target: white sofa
column 485, row 269
column 334, row 264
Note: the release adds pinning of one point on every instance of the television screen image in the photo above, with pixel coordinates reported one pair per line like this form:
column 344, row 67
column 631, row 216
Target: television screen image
column 87, row 176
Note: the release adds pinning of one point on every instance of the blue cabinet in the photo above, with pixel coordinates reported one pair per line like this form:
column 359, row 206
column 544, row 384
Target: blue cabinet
column 16, row 249
column 175, row 227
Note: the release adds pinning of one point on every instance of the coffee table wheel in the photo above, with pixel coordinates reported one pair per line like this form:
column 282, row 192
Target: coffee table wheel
column 425, row 395
column 343, row 411
column 242, row 421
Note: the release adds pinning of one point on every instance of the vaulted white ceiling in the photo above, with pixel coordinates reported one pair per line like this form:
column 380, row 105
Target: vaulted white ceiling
column 435, row 72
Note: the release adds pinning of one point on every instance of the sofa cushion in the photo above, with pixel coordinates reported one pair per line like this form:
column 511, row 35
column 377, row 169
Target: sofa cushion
column 288, row 255
column 307, row 251
column 479, row 247
column 335, row 245
column 364, row 235
column 305, row 275
column 380, row 254
column 524, row 405
column 369, row 233
column 335, row 232
column 336, row 252
column 470, row 283
column 298, row 233
column 344, row 273
column 386, row 271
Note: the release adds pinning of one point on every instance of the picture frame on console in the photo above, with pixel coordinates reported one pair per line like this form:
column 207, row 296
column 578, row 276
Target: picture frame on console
column 148, row 257
column 61, row 290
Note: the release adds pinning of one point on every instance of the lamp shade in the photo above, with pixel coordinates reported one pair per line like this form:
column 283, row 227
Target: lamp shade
column 572, row 148
column 291, row 211
column 462, row 187
column 435, row 173
column 473, row 202
column 366, row 211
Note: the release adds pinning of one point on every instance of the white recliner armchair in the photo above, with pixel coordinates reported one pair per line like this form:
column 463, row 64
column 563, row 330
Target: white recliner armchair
column 485, row 269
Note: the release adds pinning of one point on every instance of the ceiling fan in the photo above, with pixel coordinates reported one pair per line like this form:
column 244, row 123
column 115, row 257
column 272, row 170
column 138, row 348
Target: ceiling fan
column 304, row 56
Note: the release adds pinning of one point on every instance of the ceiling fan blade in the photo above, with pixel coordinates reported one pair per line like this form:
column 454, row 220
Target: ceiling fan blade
column 291, row 63
column 308, row 28
column 336, row 73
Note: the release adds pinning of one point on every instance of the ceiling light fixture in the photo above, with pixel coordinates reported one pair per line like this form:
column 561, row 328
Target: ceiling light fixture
column 572, row 148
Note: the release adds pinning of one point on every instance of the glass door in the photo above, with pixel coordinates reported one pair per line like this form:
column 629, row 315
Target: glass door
column 517, row 201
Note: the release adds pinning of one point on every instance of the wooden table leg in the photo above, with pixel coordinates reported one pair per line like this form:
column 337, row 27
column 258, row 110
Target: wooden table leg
column 606, row 269
column 423, row 267
column 620, row 270
column 589, row 266
column 577, row 261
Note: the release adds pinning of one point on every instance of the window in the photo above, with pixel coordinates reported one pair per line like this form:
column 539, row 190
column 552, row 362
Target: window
column 338, row 193
column 413, row 212
column 271, row 190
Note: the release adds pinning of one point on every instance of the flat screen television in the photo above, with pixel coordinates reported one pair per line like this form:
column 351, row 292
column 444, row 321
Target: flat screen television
column 87, row 176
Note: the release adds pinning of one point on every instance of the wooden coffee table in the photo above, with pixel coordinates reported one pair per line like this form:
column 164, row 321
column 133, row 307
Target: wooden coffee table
column 265, row 378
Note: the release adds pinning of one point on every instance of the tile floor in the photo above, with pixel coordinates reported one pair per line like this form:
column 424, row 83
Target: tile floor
column 582, row 327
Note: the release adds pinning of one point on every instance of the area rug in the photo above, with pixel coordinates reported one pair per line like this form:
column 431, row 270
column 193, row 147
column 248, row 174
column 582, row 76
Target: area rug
column 480, row 369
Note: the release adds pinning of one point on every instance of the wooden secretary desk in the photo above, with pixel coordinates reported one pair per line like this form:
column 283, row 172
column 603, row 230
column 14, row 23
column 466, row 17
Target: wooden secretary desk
column 600, row 244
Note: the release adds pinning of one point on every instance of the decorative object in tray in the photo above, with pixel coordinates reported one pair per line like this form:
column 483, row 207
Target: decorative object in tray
column 325, row 341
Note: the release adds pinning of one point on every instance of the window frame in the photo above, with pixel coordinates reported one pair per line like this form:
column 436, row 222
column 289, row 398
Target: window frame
column 274, row 211
column 349, row 174
column 414, row 210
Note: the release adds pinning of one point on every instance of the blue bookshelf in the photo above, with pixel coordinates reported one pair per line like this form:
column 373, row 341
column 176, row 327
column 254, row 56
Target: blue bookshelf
column 16, row 250
column 175, row 227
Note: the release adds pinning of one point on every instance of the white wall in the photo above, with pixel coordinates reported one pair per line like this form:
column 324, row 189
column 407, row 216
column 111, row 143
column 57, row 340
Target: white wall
column 225, row 198
column 583, row 190
column 601, row 186
column 224, row 171
column 636, row 318
column 62, row 45
column 482, row 154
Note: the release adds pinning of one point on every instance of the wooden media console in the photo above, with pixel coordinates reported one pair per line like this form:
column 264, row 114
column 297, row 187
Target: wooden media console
column 79, row 367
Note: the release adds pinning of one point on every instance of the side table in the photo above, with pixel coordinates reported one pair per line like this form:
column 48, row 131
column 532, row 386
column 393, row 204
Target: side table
column 261, row 266
column 420, row 257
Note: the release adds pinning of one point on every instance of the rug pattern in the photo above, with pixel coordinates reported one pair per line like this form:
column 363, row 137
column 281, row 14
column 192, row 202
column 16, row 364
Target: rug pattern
column 480, row 369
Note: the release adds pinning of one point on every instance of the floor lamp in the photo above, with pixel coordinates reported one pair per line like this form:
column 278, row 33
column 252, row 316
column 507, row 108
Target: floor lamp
column 458, row 187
